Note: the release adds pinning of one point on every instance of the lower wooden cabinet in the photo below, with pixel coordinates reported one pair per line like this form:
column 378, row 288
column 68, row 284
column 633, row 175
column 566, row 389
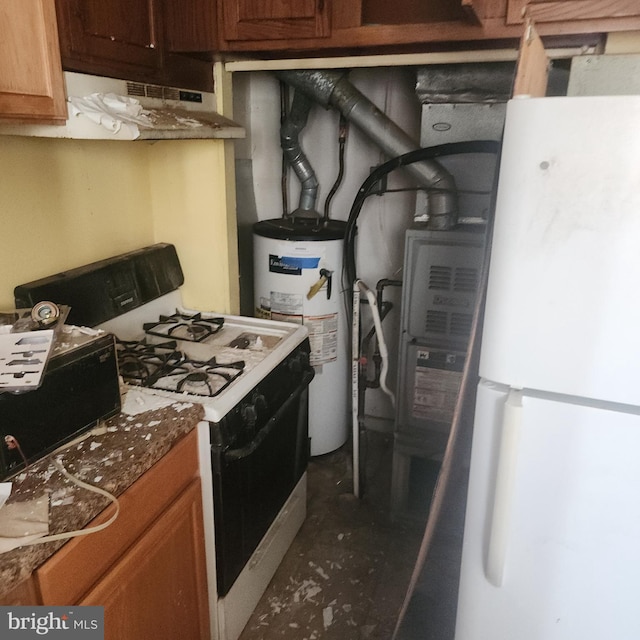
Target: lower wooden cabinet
column 158, row 589
column 148, row 568
column 24, row 594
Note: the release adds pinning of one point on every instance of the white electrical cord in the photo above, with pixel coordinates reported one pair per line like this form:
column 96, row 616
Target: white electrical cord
column 88, row 530
column 384, row 353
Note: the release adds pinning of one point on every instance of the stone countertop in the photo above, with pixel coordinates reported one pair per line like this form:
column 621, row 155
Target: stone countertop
column 112, row 456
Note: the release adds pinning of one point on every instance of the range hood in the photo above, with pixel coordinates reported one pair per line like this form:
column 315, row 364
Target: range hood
column 102, row 108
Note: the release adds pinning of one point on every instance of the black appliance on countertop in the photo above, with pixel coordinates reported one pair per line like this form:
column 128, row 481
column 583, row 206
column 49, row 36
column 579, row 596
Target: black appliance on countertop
column 79, row 388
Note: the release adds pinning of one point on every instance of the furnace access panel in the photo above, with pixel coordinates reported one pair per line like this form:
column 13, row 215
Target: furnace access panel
column 442, row 272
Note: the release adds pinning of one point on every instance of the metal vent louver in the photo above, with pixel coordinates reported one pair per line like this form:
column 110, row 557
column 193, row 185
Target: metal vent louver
column 135, row 89
column 461, row 324
column 168, row 93
column 436, row 322
column 440, row 278
column 466, row 280
column 152, row 91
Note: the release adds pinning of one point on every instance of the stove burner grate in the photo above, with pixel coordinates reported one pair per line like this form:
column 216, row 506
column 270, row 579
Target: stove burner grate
column 194, row 377
column 142, row 363
column 181, row 326
column 162, row 366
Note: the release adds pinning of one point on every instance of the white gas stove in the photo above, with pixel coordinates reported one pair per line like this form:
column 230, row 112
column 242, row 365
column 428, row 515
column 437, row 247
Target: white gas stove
column 212, row 359
column 251, row 377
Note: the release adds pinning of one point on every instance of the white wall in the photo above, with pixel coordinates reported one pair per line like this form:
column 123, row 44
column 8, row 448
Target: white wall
column 383, row 219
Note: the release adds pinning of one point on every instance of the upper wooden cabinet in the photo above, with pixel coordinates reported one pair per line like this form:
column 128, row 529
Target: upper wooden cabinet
column 611, row 12
column 143, row 40
column 110, row 36
column 275, row 19
column 31, row 83
column 322, row 25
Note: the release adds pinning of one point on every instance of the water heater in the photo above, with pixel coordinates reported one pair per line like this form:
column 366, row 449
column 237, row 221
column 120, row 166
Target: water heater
column 297, row 268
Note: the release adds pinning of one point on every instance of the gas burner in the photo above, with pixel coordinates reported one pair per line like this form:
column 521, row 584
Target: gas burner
column 181, row 326
column 142, row 363
column 197, row 378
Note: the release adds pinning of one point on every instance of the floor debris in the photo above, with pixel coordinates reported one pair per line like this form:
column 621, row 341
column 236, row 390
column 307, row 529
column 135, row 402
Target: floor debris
column 346, row 573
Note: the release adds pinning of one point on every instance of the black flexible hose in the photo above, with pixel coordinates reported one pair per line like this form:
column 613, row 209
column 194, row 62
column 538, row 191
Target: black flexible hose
column 427, row 153
column 284, row 106
column 342, row 138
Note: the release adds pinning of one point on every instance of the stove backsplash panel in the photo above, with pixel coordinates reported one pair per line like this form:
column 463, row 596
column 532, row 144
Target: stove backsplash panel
column 106, row 289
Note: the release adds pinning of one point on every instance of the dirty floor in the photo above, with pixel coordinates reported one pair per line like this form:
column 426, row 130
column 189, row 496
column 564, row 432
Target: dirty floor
column 346, row 573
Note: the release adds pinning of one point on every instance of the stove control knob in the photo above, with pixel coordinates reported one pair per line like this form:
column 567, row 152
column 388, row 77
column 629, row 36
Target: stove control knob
column 45, row 313
column 259, row 402
column 298, row 362
column 249, row 415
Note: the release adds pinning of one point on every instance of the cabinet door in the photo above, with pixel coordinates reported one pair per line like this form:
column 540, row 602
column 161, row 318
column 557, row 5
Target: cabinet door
column 159, row 588
column 541, row 11
column 24, row 594
column 31, row 83
column 274, row 19
column 484, row 11
column 190, row 25
column 82, row 562
column 109, row 37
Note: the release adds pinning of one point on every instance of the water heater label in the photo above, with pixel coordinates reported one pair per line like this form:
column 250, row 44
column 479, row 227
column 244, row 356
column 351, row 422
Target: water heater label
column 323, row 338
column 292, row 265
column 286, row 304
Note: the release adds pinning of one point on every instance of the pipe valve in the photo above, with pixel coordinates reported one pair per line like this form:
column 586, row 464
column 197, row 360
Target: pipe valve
column 325, row 276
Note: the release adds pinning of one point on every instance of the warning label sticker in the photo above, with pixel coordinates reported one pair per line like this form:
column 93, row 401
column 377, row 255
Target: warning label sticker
column 434, row 393
column 286, row 303
column 323, row 337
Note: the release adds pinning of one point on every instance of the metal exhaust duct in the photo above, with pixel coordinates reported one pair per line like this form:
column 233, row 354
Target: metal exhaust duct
column 332, row 89
column 289, row 141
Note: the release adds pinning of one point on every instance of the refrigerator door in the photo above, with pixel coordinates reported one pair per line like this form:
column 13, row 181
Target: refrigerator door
column 563, row 308
column 551, row 535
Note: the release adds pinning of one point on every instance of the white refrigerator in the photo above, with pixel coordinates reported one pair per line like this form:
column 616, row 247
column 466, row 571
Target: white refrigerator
column 551, row 546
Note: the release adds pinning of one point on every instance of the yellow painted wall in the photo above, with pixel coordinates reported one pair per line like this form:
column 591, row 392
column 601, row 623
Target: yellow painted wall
column 65, row 203
column 193, row 196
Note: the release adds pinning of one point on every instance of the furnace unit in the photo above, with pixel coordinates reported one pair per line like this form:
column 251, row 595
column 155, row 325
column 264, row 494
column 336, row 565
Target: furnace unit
column 442, row 271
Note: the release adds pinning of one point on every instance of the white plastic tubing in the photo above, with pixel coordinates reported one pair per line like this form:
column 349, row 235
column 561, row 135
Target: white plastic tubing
column 358, row 287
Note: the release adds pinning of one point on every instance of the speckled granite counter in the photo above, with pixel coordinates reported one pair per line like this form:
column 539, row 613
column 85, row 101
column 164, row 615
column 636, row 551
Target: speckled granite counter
column 111, row 457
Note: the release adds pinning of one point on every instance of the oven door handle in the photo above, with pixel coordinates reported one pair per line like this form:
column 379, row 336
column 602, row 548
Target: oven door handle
column 232, row 455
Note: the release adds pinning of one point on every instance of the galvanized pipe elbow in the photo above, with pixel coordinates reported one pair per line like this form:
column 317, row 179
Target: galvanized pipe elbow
column 332, row 88
column 290, row 143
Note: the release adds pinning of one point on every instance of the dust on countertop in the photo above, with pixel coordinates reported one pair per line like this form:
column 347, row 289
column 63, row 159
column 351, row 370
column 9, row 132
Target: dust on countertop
column 112, row 456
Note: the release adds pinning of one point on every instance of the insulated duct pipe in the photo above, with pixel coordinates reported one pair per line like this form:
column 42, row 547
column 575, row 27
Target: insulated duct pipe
column 332, row 89
column 295, row 121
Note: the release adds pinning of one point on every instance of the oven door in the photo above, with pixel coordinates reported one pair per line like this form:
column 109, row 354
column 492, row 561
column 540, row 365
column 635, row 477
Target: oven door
column 252, row 483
